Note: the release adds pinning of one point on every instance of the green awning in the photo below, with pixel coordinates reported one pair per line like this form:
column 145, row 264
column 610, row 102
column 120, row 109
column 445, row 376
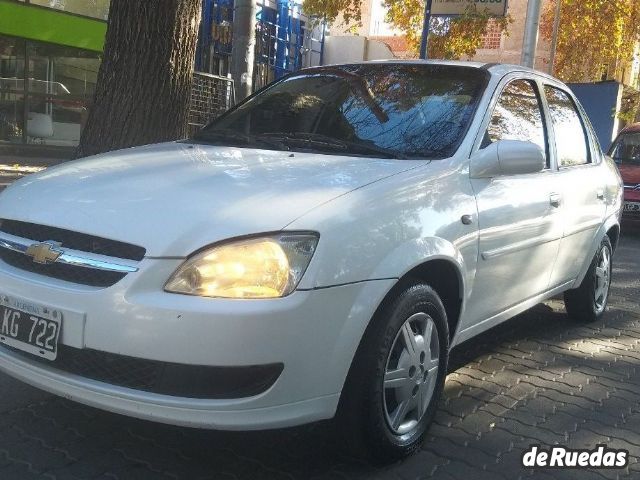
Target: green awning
column 53, row 26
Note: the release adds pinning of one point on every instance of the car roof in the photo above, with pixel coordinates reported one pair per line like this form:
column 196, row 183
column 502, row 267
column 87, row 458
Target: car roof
column 498, row 69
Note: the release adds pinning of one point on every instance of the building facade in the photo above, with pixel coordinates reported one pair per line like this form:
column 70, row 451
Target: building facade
column 502, row 48
column 286, row 39
column 50, row 55
column 49, row 60
column 496, row 48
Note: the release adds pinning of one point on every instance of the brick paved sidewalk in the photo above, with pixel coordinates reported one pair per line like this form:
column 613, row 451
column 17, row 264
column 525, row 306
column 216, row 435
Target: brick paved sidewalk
column 536, row 379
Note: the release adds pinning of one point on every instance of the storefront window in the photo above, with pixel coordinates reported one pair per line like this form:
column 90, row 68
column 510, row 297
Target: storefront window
column 90, row 8
column 60, row 70
column 61, row 84
column 52, row 107
column 11, row 89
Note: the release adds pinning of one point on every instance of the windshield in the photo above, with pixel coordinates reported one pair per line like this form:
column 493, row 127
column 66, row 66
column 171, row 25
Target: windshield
column 626, row 150
column 389, row 110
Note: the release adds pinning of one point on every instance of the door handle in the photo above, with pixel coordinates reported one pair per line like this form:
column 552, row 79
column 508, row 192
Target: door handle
column 555, row 200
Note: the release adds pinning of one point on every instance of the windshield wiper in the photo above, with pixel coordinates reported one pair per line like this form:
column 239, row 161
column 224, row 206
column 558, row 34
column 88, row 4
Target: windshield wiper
column 320, row 140
column 225, row 134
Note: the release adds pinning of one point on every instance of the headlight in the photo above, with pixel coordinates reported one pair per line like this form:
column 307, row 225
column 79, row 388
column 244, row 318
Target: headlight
column 259, row 267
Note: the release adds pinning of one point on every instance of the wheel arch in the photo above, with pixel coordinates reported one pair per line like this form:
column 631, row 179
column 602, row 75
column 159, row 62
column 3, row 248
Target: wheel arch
column 444, row 275
column 611, row 226
column 614, row 235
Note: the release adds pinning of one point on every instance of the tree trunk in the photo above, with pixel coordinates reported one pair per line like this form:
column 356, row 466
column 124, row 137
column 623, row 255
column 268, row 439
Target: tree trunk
column 144, row 81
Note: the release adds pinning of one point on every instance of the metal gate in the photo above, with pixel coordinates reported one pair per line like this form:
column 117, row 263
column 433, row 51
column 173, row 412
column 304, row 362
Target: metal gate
column 286, row 39
column 211, row 96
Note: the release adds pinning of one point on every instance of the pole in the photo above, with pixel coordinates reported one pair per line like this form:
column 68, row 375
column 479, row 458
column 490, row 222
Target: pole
column 530, row 41
column 324, row 28
column 554, row 42
column 26, row 98
column 425, row 29
column 243, row 49
column 282, row 38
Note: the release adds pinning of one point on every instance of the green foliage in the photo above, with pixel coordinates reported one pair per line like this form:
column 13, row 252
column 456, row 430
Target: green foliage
column 630, row 107
column 462, row 36
column 595, row 36
column 330, row 10
column 450, row 37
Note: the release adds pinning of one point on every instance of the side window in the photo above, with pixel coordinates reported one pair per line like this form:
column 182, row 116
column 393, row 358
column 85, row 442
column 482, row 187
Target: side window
column 571, row 141
column 517, row 116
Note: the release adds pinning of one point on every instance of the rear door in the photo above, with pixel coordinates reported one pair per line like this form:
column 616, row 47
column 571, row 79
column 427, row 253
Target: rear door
column 583, row 200
column 520, row 222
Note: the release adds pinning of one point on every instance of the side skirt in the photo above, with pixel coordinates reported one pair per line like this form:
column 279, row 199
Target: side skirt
column 510, row 312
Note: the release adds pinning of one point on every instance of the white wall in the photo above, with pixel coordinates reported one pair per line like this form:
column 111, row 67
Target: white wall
column 345, row 49
column 378, row 50
column 379, row 25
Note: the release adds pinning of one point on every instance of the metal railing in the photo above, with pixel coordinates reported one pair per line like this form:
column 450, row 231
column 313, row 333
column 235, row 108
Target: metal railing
column 211, row 96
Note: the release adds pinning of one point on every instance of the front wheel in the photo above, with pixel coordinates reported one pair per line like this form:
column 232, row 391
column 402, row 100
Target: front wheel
column 398, row 375
column 588, row 302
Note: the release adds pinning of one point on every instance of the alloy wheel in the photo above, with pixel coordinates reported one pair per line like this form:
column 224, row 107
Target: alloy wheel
column 411, row 373
column 602, row 279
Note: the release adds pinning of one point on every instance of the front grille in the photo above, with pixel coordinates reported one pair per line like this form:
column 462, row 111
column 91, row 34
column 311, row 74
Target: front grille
column 188, row 381
column 69, row 273
column 82, row 242
column 73, row 240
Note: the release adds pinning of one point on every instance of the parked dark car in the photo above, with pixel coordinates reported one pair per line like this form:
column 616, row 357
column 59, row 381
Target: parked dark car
column 626, row 153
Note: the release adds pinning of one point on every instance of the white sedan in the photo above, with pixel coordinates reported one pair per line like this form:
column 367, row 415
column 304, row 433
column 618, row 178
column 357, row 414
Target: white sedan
column 314, row 252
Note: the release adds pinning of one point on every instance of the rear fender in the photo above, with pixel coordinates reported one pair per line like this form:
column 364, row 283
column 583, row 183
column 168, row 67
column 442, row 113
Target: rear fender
column 610, row 222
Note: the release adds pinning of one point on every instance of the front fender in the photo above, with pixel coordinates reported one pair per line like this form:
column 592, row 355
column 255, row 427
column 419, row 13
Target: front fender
column 412, row 254
column 372, row 293
column 384, row 230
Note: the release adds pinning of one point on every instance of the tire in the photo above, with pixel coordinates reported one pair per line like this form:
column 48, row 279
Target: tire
column 372, row 417
column 588, row 302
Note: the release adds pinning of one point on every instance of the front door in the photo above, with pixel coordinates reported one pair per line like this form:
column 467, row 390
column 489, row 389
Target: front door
column 520, row 223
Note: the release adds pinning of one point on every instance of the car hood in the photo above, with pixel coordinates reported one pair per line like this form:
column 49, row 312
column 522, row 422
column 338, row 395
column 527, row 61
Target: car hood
column 174, row 198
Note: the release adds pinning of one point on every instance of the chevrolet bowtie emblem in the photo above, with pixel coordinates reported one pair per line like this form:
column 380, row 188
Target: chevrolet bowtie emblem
column 45, row 252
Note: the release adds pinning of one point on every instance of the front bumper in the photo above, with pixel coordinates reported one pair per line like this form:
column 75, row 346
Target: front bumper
column 166, row 409
column 313, row 334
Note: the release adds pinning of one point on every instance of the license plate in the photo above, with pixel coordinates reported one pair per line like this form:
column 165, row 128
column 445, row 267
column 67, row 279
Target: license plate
column 631, row 207
column 30, row 328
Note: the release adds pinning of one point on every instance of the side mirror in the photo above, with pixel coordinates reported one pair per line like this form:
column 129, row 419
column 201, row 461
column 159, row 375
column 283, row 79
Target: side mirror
column 507, row 157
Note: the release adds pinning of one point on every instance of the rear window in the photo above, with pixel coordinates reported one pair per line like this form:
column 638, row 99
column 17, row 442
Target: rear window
column 626, row 149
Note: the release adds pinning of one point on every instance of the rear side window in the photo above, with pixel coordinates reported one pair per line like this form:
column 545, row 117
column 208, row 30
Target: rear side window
column 517, row 116
column 571, row 140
